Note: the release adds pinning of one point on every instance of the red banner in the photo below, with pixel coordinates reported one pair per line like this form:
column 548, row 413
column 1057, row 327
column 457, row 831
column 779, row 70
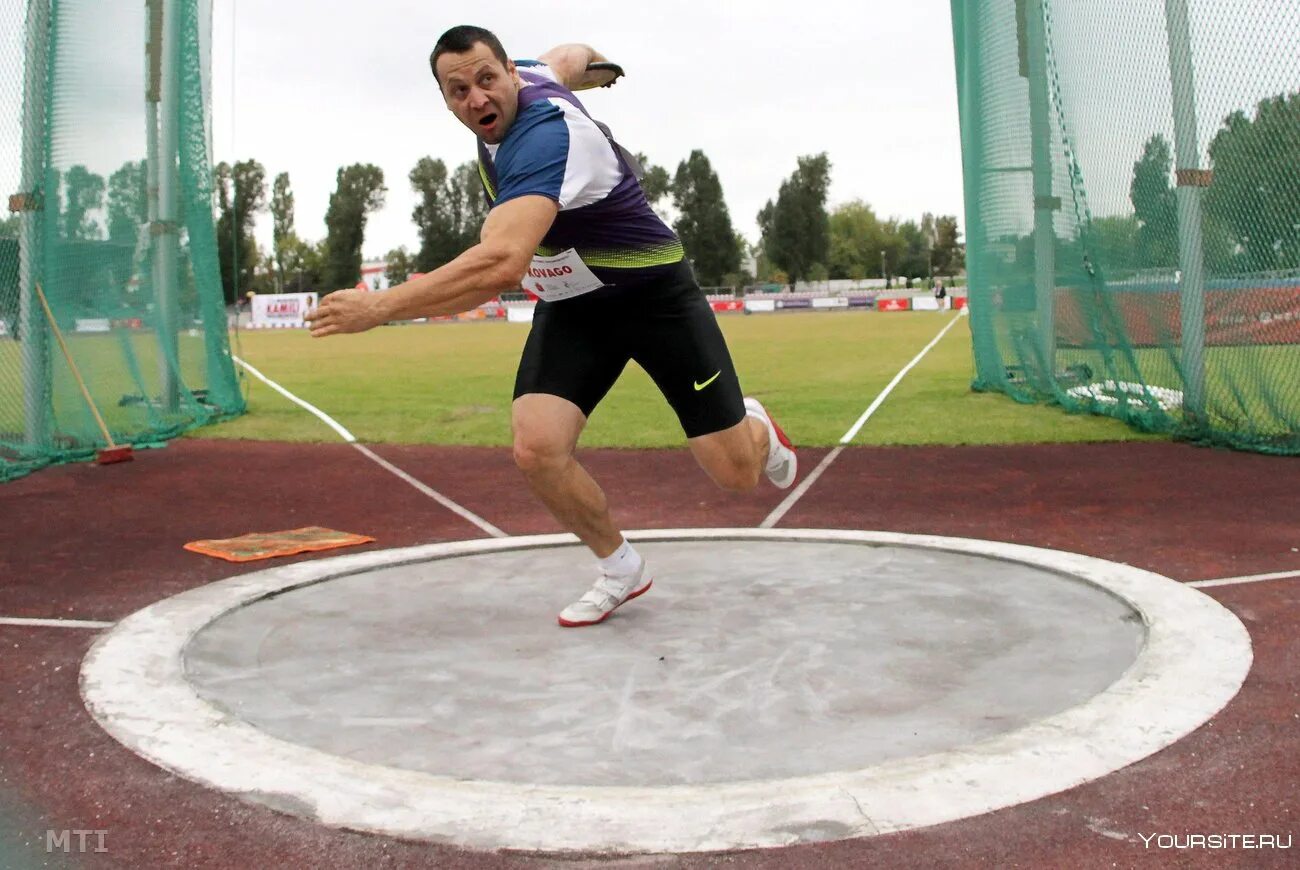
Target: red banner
column 729, row 305
column 897, row 303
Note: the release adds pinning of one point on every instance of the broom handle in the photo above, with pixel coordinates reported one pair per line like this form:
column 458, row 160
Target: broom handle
column 63, row 345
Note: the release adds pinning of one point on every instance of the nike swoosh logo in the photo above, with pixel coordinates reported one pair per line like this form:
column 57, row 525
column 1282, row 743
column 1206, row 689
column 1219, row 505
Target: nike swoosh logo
column 699, row 386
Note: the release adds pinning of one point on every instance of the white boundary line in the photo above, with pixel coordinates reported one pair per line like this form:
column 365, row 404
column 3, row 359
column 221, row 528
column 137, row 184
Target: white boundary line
column 462, row 512
column 789, row 501
column 1196, row 656
column 54, row 623
column 1248, row 578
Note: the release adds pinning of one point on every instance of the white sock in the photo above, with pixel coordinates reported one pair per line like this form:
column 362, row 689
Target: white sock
column 622, row 562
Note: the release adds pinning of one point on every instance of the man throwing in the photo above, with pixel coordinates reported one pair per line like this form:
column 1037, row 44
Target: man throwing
column 570, row 223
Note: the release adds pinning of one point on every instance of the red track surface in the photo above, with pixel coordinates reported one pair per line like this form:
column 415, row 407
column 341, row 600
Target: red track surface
column 99, row 543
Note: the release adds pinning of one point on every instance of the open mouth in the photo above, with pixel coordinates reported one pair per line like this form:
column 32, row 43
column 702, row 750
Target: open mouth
column 487, row 120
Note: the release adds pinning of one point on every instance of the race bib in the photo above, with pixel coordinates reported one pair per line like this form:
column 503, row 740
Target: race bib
column 560, row 277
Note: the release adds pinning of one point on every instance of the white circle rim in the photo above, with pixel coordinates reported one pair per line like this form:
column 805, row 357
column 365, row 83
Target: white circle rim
column 1194, row 661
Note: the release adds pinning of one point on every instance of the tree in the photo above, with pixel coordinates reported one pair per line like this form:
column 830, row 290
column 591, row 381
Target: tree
column 400, row 266
column 433, row 215
column 1115, row 243
column 360, row 190
column 915, row 259
column 450, row 212
column 282, row 214
column 241, row 193
column 949, row 253
column 704, row 225
column 471, row 203
column 1255, row 195
column 856, row 240
column 128, row 203
column 796, row 228
column 655, row 182
column 1153, row 203
column 84, row 192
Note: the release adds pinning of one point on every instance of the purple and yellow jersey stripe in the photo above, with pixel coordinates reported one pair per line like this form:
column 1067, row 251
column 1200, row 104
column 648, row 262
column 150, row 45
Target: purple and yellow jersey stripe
column 555, row 149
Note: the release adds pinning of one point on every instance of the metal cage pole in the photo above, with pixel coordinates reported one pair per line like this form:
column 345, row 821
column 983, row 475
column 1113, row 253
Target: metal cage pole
column 1045, row 205
column 1192, row 181
column 163, row 114
column 32, row 330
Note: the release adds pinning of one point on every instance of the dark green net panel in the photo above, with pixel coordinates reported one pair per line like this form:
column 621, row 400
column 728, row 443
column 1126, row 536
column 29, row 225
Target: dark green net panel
column 1132, row 175
column 130, row 272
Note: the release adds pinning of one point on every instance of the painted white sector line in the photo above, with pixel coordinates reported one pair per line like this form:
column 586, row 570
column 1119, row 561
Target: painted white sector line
column 54, row 623
column 1248, row 578
column 784, row 507
column 324, row 418
column 866, row 415
column 371, row 455
column 433, row 494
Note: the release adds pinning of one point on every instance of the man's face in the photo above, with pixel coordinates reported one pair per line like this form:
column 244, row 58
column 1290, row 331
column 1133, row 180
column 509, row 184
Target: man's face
column 481, row 92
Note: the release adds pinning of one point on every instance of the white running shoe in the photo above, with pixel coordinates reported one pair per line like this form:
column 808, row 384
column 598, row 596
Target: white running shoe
column 782, row 465
column 605, row 597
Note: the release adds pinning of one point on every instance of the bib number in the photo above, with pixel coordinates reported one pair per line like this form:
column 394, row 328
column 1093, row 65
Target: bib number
column 561, row 276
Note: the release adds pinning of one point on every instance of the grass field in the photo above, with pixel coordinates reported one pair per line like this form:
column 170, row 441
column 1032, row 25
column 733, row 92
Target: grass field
column 450, row 383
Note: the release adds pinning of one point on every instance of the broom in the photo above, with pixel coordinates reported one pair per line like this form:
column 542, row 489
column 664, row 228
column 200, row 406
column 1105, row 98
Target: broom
column 113, row 452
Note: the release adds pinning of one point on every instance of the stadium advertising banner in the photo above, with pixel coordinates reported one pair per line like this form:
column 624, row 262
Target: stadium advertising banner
column 728, row 305
column 894, row 303
column 281, row 310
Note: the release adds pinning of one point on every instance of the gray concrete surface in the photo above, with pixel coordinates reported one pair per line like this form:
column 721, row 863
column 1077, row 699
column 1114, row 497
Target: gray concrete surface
column 748, row 660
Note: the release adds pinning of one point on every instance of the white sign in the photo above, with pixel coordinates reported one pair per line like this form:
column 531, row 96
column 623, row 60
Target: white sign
column 520, row 313
column 562, row 276
column 283, row 310
column 831, row 302
column 93, row 324
column 760, row 305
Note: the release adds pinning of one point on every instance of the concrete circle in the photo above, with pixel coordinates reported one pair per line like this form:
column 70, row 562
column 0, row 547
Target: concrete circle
column 748, row 660
column 1017, row 685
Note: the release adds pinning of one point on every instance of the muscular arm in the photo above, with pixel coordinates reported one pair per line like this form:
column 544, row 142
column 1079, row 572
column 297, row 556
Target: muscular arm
column 569, row 62
column 498, row 262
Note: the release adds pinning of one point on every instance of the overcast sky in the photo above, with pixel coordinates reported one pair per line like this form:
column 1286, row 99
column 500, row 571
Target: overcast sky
column 307, row 86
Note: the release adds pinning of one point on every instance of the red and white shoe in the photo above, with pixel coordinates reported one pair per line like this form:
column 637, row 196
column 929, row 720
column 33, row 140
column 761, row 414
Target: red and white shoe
column 782, row 464
column 605, row 597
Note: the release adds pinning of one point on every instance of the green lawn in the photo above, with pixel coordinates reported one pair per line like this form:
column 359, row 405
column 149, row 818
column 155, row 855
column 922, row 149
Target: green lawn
column 450, row 383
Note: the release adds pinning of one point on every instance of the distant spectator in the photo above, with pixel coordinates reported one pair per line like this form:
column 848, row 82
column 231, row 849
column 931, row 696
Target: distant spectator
column 940, row 294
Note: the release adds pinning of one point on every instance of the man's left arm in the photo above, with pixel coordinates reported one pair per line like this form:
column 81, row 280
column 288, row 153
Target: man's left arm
column 569, row 62
column 499, row 261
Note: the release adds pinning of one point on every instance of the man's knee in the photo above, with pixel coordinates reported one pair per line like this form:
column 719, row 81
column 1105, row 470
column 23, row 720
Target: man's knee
column 539, row 456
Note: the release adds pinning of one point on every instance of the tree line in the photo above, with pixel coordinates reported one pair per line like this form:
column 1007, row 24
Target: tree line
column 801, row 240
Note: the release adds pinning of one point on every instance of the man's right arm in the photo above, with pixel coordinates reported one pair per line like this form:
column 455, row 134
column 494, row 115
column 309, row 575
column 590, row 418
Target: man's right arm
column 569, row 62
column 499, row 261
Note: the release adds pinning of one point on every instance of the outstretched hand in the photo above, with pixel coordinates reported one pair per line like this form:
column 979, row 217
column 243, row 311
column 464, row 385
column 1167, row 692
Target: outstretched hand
column 345, row 311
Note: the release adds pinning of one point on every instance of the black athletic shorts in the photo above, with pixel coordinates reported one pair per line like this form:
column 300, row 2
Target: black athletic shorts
column 578, row 347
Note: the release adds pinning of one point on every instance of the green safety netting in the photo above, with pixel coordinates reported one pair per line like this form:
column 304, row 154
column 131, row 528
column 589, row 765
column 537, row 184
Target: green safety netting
column 105, row 161
column 1132, row 181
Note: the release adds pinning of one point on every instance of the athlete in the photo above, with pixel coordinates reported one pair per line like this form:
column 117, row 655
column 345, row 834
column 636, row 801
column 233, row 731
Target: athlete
column 570, row 223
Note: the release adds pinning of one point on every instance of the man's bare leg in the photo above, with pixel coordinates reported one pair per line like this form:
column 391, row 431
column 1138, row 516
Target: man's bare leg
column 733, row 458
column 546, row 430
column 546, row 434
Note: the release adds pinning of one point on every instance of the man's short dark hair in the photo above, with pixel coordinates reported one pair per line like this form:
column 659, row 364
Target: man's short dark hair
column 463, row 38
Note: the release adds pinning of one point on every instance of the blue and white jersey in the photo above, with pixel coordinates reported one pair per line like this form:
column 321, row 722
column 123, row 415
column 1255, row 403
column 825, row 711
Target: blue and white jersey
column 555, row 149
